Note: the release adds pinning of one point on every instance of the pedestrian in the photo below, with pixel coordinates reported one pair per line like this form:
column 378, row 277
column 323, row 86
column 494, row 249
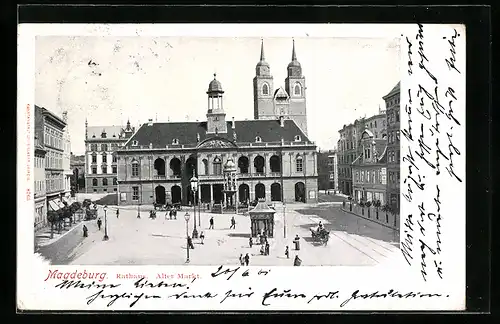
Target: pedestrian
column 247, row 259
column 175, row 214
column 296, row 241
column 99, row 223
column 233, row 223
column 202, row 237
column 211, row 223
column 287, row 253
column 117, row 213
column 190, row 243
column 267, row 248
column 85, row 231
column 250, row 242
column 297, row 261
column 242, row 260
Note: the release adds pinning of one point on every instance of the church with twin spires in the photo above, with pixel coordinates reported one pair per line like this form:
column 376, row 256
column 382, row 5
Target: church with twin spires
column 275, row 159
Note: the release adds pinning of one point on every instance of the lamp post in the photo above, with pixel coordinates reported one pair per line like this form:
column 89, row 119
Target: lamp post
column 194, row 188
column 186, row 217
column 105, row 224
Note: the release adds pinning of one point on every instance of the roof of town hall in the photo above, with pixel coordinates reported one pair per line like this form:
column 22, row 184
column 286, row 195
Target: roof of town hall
column 161, row 135
column 394, row 90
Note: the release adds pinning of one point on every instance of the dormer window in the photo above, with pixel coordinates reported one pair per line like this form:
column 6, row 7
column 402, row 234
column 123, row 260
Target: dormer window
column 93, row 136
column 135, row 143
column 103, row 134
column 175, row 141
column 297, row 138
column 258, row 139
column 114, row 135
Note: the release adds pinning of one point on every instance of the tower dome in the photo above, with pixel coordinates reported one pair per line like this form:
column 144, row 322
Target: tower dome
column 215, row 86
column 294, row 62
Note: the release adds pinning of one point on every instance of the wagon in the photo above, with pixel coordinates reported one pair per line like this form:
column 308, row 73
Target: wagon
column 320, row 235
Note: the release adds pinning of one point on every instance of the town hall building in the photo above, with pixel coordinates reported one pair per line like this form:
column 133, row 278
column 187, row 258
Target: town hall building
column 275, row 159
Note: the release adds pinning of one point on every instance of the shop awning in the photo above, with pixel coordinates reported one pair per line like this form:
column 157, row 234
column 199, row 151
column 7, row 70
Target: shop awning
column 53, row 205
column 59, row 203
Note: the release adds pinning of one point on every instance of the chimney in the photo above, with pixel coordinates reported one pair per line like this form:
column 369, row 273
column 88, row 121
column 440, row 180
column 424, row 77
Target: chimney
column 232, row 124
column 65, row 116
column 150, row 122
column 282, row 121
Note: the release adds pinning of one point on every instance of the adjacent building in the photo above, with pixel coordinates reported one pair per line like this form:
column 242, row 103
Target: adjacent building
column 333, row 170
column 275, row 159
column 369, row 169
column 348, row 146
column 40, row 194
column 49, row 131
column 393, row 146
column 101, row 165
column 66, row 164
column 326, row 174
column 77, row 165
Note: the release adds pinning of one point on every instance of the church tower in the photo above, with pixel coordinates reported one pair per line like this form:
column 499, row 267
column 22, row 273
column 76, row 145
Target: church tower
column 263, row 89
column 216, row 117
column 295, row 86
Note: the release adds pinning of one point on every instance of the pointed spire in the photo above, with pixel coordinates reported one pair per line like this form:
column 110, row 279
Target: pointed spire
column 294, row 56
column 262, row 57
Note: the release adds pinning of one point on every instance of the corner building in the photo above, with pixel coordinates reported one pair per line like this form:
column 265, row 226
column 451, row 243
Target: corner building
column 275, row 159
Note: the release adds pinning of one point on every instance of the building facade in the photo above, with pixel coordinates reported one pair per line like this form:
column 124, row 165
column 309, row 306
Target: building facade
column 101, row 165
column 369, row 169
column 40, row 195
column 332, row 170
column 393, row 146
column 326, row 174
column 348, row 146
column 77, row 165
column 274, row 158
column 66, row 159
column 288, row 101
column 49, row 130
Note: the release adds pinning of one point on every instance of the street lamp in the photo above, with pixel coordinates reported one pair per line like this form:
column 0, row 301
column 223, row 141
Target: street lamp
column 194, row 188
column 186, row 217
column 105, row 224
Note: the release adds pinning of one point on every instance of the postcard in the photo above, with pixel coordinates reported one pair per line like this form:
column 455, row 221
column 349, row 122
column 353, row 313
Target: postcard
column 238, row 167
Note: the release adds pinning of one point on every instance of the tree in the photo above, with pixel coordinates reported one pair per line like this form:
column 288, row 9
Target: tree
column 376, row 204
column 53, row 218
column 368, row 204
column 386, row 209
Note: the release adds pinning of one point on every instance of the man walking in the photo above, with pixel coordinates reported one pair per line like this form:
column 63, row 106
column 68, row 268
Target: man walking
column 99, row 223
column 211, row 223
column 287, row 253
column 247, row 259
column 233, row 223
column 117, row 213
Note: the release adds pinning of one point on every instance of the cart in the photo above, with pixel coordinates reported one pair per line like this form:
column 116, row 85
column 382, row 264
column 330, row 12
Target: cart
column 320, row 235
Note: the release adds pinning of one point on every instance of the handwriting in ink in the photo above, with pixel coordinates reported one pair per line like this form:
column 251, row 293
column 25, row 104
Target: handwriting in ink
column 329, row 295
column 451, row 92
column 439, row 154
column 263, row 272
column 407, row 132
column 451, row 60
column 439, row 269
column 226, row 271
column 79, row 284
column 410, row 62
column 286, row 293
column 407, row 243
column 423, row 264
column 424, row 148
column 452, row 151
column 231, row 294
column 409, row 158
column 115, row 297
column 423, row 58
column 143, row 283
column 438, row 220
column 185, row 295
column 421, row 221
column 389, row 294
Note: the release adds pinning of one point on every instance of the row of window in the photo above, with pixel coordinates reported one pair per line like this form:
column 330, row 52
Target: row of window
column 349, row 158
column 53, row 160
column 39, row 186
column 393, row 117
column 392, row 102
column 104, row 158
column 393, row 137
column 258, row 139
column 53, row 137
column 297, row 89
column 104, row 169
column 104, row 147
column 54, row 182
column 345, row 172
column 39, row 212
column 394, row 176
column 95, row 182
column 39, row 162
column 369, row 176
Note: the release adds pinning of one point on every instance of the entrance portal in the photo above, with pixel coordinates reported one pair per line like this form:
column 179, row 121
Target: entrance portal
column 300, row 192
column 176, row 194
column 276, row 192
column 160, row 195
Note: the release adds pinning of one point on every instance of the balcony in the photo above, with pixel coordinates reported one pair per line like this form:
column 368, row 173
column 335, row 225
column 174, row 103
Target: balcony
column 275, row 174
column 259, row 174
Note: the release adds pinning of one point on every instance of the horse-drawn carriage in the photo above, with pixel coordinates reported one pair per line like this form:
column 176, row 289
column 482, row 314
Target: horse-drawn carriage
column 320, row 234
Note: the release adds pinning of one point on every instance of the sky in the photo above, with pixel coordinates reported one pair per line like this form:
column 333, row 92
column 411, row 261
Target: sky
column 111, row 79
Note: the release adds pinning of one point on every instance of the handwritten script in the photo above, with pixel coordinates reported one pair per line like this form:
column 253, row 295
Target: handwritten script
column 432, row 145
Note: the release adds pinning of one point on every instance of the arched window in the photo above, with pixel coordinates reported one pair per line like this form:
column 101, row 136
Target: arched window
column 94, row 182
column 115, row 182
column 114, row 158
column 94, row 158
column 297, row 89
column 104, row 147
column 104, row 182
column 175, row 141
column 297, row 138
column 265, row 89
column 135, row 168
column 205, row 166
column 217, row 166
column 258, row 139
column 93, row 147
column 299, row 164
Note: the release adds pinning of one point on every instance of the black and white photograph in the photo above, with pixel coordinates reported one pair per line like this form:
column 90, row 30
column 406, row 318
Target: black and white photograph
column 175, row 150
